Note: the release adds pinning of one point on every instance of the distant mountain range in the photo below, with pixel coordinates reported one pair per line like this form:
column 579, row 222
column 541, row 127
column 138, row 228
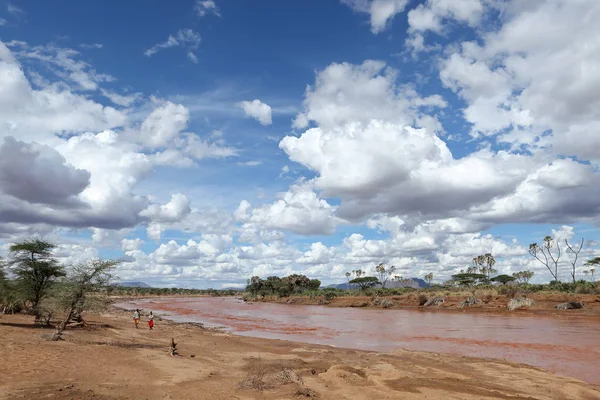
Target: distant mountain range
column 133, row 284
column 413, row 282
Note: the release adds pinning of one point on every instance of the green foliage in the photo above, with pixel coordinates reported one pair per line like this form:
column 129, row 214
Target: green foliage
column 35, row 270
column 504, row 279
column 469, row 278
column 365, row 282
column 428, row 278
column 484, row 264
column 9, row 301
column 282, row 287
column 72, row 296
column 523, row 276
column 314, row 284
column 384, row 273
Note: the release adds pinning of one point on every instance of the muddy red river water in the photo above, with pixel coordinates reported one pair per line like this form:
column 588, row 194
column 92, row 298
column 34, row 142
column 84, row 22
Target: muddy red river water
column 566, row 345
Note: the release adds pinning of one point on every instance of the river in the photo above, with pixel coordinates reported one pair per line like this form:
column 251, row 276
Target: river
column 566, row 345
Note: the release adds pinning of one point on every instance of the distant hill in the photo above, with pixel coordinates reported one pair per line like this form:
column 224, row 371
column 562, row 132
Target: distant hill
column 133, row 284
column 413, row 282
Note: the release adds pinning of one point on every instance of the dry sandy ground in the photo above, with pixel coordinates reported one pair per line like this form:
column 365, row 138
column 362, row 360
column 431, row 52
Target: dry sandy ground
column 112, row 360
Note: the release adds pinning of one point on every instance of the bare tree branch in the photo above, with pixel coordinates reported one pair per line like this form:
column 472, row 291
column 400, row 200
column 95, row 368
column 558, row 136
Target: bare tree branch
column 574, row 262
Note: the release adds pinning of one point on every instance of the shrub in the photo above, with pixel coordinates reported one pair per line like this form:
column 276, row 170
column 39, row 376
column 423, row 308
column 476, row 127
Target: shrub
column 509, row 291
column 517, row 303
column 330, row 296
column 469, row 301
column 570, row 305
column 434, row 301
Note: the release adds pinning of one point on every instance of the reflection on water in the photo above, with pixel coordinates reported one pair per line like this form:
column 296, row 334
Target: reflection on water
column 563, row 344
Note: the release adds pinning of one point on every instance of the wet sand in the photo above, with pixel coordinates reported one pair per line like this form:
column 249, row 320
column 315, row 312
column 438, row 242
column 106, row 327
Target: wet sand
column 565, row 343
column 110, row 360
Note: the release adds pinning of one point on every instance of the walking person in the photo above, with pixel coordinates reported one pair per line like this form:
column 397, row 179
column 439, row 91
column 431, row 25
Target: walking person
column 150, row 320
column 136, row 318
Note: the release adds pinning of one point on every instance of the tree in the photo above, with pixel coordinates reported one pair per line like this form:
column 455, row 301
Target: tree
column 576, row 253
column 485, row 263
column 546, row 251
column 523, row 276
column 594, row 262
column 468, row 278
column 73, row 297
column 384, row 273
column 314, row 284
column 365, row 282
column 504, row 279
column 348, row 275
column 35, row 269
column 429, row 278
column 254, row 284
column 297, row 282
column 273, row 284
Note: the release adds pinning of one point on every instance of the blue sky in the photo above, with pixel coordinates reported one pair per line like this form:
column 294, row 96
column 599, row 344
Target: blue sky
column 208, row 141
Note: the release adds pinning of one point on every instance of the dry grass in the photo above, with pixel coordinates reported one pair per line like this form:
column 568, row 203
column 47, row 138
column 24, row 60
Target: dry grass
column 261, row 377
column 306, row 392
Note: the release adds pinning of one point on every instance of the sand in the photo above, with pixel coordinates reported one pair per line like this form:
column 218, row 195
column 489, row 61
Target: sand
column 112, row 360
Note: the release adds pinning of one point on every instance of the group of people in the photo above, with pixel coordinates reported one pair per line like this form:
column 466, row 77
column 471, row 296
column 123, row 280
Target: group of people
column 136, row 319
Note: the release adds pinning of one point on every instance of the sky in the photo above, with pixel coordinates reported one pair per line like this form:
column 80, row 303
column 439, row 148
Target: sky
column 202, row 142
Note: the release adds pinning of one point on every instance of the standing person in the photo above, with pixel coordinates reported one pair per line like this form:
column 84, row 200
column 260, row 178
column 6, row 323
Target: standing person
column 150, row 320
column 136, row 318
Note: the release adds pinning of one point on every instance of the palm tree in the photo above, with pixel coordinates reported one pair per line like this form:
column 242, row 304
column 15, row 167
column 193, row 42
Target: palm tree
column 593, row 263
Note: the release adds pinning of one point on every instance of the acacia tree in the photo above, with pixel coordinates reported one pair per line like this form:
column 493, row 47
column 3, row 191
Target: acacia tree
column 429, row 278
column 73, row 297
column 35, row 270
column 365, row 282
column 550, row 260
column 576, row 253
column 384, row 273
column 523, row 276
column 503, row 279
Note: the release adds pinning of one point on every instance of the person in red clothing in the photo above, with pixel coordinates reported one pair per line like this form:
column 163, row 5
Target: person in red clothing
column 150, row 320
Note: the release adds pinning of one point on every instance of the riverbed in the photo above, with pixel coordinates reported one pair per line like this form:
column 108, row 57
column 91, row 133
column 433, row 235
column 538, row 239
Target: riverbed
column 566, row 345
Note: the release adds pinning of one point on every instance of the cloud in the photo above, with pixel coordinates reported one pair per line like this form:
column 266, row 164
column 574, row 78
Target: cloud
column 175, row 210
column 380, row 11
column 36, row 113
column 298, row 210
column 87, row 178
column 3, row 22
column 252, row 163
column 366, row 152
column 431, row 14
column 369, row 93
column 520, row 85
column 257, row 110
column 119, row 99
column 91, row 45
column 14, row 10
column 205, row 7
column 163, row 124
column 64, row 63
column 39, row 174
column 188, row 39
